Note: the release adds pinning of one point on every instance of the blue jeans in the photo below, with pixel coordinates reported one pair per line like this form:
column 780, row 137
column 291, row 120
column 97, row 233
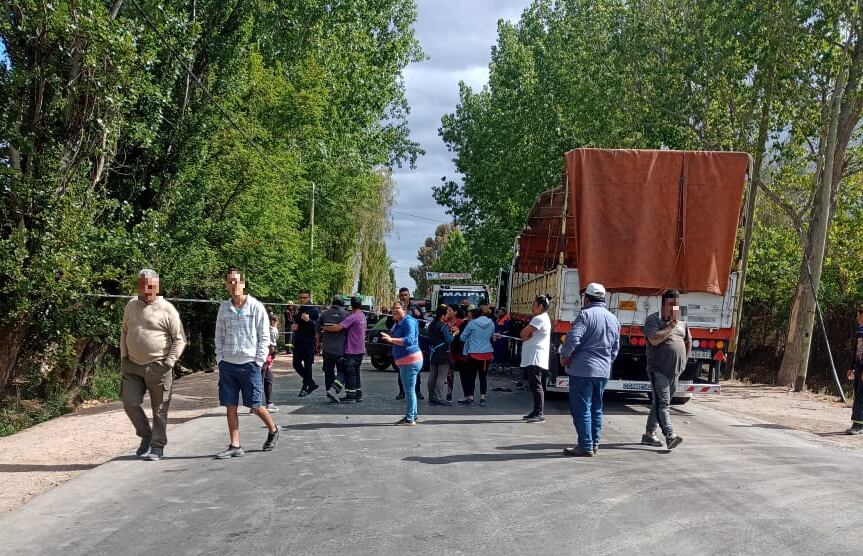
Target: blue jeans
column 408, row 374
column 585, row 404
column 245, row 378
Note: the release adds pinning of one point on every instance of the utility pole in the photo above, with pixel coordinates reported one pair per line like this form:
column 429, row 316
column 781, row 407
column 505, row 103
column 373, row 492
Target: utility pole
column 312, row 224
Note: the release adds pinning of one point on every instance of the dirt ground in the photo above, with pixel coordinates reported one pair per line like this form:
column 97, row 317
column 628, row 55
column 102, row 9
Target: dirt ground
column 48, row 454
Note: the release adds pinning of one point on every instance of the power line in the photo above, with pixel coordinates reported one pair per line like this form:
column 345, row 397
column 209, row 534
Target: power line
column 403, row 213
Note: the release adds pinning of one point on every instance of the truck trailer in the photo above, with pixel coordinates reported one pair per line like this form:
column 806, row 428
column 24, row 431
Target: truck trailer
column 639, row 222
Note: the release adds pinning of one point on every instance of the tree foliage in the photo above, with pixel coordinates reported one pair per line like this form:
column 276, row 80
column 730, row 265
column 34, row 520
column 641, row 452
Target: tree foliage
column 114, row 158
column 682, row 74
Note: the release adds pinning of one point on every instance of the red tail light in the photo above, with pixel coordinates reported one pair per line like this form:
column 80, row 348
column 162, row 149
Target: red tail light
column 642, row 341
column 711, row 344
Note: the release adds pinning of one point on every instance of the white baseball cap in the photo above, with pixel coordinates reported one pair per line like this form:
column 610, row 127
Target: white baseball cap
column 595, row 290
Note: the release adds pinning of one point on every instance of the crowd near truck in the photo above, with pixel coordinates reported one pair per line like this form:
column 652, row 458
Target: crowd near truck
column 639, row 222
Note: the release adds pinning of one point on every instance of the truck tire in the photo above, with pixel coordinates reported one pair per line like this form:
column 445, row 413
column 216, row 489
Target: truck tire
column 680, row 400
column 381, row 364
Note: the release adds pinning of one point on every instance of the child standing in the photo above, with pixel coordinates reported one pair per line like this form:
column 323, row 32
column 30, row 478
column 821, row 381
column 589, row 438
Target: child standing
column 267, row 368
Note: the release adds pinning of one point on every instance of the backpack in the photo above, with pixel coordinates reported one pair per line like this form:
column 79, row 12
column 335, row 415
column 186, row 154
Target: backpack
column 439, row 351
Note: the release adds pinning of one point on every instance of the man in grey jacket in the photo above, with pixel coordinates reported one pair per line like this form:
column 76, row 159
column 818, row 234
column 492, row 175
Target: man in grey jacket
column 333, row 347
column 668, row 345
column 590, row 348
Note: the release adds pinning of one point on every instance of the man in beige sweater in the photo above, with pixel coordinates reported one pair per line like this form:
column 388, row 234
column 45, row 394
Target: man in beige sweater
column 151, row 341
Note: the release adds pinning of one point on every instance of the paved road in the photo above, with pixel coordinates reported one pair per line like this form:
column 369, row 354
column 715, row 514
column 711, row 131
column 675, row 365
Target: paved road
column 465, row 481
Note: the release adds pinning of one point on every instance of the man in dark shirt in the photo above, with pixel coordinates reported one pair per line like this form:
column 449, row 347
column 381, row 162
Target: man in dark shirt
column 856, row 374
column 305, row 340
column 668, row 345
column 333, row 348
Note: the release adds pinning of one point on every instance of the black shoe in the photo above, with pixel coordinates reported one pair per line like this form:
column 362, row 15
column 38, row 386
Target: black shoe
column 144, row 448
column 420, row 397
column 156, row 453
column 272, row 439
column 437, row 403
column 449, row 397
column 672, row 441
column 576, row 452
column 358, row 398
column 530, row 415
column 651, row 440
column 311, row 389
column 348, row 399
column 231, row 452
column 401, row 396
column 303, row 392
column 405, row 423
column 466, row 401
column 538, row 418
column 483, row 403
column 855, row 429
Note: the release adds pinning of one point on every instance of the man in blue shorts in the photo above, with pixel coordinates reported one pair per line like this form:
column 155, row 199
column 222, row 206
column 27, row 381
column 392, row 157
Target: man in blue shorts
column 242, row 345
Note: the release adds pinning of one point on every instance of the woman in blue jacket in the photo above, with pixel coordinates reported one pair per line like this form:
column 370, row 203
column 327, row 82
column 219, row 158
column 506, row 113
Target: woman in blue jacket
column 477, row 347
column 408, row 358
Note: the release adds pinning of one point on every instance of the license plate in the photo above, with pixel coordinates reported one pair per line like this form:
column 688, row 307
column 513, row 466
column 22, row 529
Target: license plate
column 637, row 386
column 700, row 354
column 562, row 382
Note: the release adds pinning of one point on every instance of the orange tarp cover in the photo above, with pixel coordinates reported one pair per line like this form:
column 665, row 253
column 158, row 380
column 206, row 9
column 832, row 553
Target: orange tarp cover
column 642, row 220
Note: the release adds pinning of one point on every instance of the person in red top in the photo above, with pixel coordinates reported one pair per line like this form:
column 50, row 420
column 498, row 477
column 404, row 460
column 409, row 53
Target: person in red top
column 455, row 318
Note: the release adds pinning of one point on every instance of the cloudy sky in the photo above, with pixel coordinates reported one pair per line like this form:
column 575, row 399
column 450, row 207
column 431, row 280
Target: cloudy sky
column 457, row 35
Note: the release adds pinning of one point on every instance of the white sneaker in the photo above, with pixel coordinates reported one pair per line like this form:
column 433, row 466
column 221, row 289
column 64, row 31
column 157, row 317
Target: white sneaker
column 272, row 408
column 333, row 394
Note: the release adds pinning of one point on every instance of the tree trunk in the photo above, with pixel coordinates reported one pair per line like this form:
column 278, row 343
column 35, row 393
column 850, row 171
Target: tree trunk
column 795, row 362
column 11, row 341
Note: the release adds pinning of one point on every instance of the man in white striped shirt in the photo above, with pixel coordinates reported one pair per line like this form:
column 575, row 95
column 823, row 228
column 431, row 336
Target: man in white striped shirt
column 242, row 345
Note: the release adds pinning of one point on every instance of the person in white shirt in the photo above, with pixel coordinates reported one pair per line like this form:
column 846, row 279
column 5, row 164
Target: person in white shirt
column 535, row 352
column 242, row 346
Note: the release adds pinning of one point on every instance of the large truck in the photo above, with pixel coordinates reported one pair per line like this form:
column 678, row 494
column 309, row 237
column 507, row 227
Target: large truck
column 639, row 222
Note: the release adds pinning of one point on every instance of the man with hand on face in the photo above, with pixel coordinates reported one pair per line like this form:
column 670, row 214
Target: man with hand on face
column 151, row 341
column 668, row 345
column 305, row 340
column 242, row 346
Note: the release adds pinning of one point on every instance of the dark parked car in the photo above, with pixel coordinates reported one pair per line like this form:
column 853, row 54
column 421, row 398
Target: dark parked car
column 381, row 354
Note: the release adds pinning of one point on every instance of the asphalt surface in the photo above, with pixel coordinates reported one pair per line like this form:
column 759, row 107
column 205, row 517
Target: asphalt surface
column 466, row 480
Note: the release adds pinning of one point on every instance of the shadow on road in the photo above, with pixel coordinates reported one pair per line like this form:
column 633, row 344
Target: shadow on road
column 28, row 468
column 476, row 458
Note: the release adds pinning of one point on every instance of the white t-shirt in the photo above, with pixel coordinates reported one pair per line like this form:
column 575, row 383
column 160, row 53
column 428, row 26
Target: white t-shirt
column 274, row 335
column 536, row 350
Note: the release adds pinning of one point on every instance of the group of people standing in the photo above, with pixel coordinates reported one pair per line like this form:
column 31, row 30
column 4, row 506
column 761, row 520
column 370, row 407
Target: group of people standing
column 152, row 340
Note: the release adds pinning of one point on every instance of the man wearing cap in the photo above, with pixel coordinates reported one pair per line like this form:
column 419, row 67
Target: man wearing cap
column 333, row 348
column 668, row 345
column 590, row 348
column 354, row 327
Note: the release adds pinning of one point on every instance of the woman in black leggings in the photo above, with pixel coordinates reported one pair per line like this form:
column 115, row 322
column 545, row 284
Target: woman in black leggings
column 479, row 351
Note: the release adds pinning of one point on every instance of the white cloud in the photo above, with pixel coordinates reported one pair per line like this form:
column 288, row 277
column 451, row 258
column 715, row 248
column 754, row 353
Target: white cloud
column 457, row 35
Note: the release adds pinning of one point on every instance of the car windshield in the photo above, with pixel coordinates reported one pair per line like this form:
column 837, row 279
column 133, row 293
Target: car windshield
column 454, row 297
